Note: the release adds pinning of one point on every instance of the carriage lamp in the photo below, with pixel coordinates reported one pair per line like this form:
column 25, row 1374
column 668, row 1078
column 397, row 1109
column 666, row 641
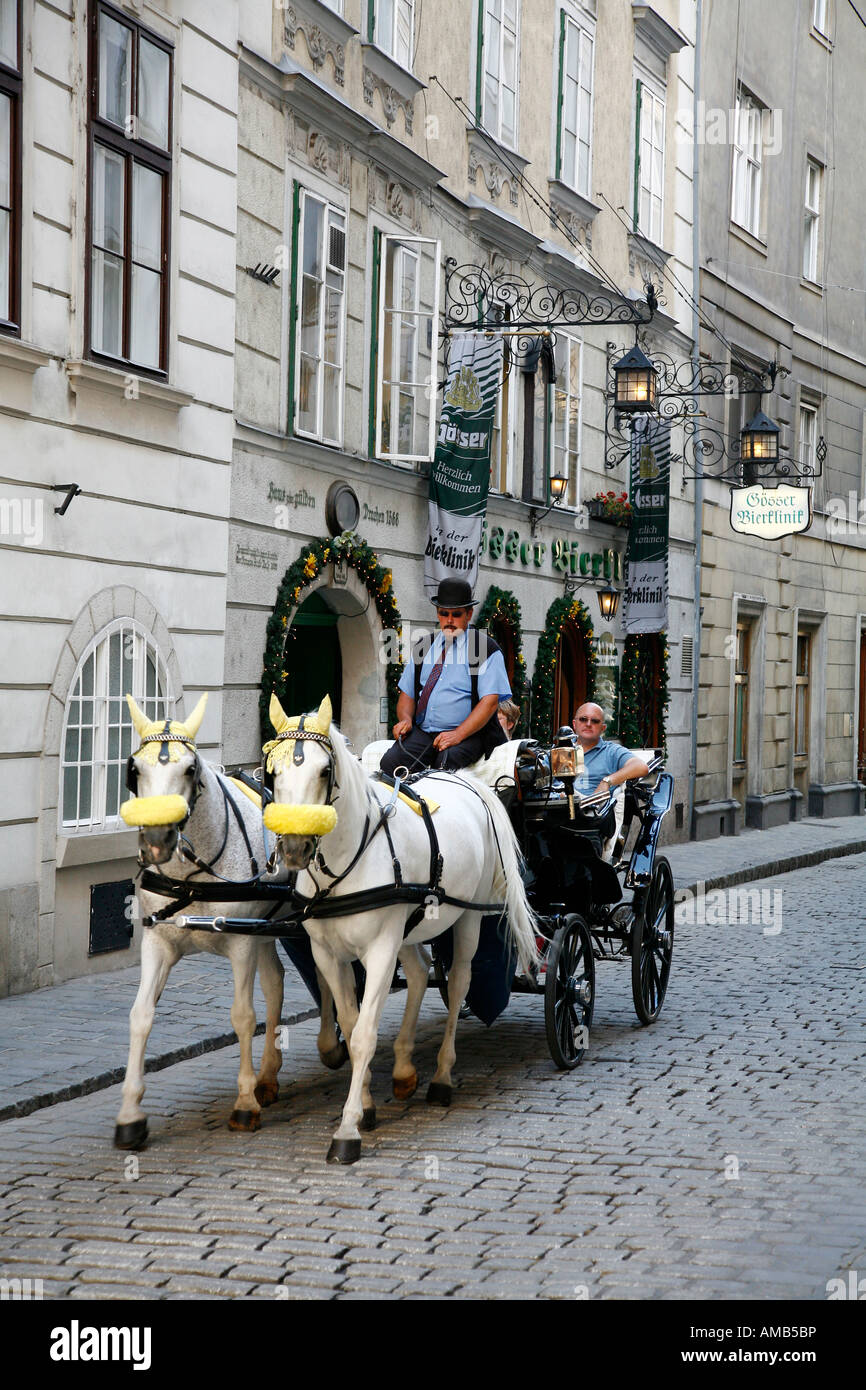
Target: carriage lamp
column 557, row 485
column 759, row 440
column 635, row 383
column 608, row 602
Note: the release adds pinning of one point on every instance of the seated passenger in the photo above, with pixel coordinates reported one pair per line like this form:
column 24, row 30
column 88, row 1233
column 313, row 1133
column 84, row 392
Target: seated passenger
column 509, row 717
column 605, row 767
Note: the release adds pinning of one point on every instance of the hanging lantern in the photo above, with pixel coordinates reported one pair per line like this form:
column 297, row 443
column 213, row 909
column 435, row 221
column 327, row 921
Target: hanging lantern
column 759, row 440
column 636, row 383
column 608, row 602
column 558, row 484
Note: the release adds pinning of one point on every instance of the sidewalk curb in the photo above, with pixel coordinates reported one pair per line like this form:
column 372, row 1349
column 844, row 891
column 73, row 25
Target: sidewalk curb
column 157, row 1063
column 750, row 874
column 789, row 864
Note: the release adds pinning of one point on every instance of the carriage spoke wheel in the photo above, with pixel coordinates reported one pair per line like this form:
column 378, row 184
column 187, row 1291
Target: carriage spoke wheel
column 653, row 944
column 569, row 992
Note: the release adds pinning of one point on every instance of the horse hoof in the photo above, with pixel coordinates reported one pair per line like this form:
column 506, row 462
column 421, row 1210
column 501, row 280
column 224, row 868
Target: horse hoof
column 336, row 1056
column 267, row 1092
column 344, row 1151
column 247, row 1121
column 368, row 1119
column 437, row 1094
column 131, row 1136
column 404, row 1086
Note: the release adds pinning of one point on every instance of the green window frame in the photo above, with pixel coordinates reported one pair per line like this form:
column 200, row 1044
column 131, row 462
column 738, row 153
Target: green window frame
column 574, row 109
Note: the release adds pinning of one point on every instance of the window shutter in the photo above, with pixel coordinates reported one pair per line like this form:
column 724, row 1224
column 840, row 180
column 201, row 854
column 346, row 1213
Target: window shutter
column 637, row 115
column 293, row 302
column 559, row 111
column 371, row 21
column 374, row 339
column 479, row 64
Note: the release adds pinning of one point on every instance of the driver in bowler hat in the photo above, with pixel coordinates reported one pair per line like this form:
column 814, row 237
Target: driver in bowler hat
column 441, row 727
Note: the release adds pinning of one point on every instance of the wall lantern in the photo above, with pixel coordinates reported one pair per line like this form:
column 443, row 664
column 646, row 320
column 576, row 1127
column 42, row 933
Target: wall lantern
column 636, row 383
column 557, row 485
column 759, row 440
column 608, row 602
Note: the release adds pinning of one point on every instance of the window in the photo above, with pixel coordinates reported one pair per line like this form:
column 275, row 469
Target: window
column 98, row 733
column 501, row 451
column 129, row 191
column 318, row 313
column 821, row 17
column 801, row 694
column 808, row 436
column 649, row 175
column 566, row 415
column 575, row 106
column 335, row 5
column 741, row 694
column 748, row 149
column 811, row 220
column 10, row 161
column 405, row 346
column 496, row 94
column 391, row 26
column 538, row 373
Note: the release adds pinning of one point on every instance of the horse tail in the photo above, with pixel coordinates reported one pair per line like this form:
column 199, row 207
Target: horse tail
column 508, row 880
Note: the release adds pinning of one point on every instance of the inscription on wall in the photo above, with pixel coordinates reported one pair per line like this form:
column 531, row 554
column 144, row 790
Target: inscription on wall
column 255, row 559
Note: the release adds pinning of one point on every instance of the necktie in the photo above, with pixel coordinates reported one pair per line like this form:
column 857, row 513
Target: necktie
column 430, row 683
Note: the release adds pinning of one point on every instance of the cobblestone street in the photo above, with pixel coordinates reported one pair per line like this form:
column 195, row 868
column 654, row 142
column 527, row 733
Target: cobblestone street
column 715, row 1155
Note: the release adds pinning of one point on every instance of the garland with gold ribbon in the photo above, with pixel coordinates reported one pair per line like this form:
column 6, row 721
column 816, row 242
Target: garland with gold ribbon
column 301, row 573
column 561, row 611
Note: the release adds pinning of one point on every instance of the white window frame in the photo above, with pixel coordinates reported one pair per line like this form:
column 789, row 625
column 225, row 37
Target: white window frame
column 821, row 17
column 647, row 98
column 572, row 495
column 807, row 434
column 405, row 245
column 159, row 707
column 812, row 220
column 747, row 170
column 509, row 140
column 331, row 210
column 573, row 32
column 389, row 41
column 335, row 5
column 504, row 429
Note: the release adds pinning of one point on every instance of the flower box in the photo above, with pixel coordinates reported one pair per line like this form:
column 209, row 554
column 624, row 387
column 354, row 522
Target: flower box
column 612, row 508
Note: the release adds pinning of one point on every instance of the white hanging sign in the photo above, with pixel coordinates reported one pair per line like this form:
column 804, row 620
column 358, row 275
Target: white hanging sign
column 770, row 512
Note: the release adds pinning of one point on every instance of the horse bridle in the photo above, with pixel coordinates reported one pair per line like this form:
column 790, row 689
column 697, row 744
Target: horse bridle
column 301, row 735
column 165, row 737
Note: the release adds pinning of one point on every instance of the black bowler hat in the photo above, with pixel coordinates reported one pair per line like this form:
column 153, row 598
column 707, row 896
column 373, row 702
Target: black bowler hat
column 454, row 593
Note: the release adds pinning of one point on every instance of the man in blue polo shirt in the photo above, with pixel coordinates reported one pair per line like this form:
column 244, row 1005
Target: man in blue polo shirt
column 442, row 727
column 605, row 765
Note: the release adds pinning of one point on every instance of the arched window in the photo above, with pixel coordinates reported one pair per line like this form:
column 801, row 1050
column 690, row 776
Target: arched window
column 98, row 734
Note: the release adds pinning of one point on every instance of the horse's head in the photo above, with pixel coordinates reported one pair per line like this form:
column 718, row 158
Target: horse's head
column 300, row 765
column 164, row 775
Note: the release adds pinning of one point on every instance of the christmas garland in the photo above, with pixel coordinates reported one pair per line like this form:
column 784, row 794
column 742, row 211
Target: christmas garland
column 558, row 614
column 501, row 606
column 309, row 564
column 629, row 729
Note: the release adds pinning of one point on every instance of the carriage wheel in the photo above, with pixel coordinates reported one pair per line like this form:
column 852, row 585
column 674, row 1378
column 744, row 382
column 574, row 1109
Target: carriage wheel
column 569, row 992
column 652, row 944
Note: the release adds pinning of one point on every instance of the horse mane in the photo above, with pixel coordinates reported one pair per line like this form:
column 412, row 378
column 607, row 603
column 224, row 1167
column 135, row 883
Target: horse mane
column 351, row 776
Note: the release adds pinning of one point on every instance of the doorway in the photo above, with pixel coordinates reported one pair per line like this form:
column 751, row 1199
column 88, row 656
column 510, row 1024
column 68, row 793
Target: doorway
column 313, row 660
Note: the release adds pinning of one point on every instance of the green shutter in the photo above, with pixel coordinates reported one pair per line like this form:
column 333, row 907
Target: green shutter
column 374, row 341
column 637, row 110
column 293, row 300
column 479, row 64
column 559, row 113
column 371, row 20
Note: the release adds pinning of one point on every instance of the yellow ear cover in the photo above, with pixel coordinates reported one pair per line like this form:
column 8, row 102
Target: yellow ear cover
column 299, row 820
column 154, row 810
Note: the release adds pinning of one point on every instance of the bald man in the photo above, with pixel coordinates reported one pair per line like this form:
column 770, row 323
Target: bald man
column 606, row 765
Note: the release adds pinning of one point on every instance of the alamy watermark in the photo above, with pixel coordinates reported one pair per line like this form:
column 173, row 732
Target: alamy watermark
column 730, row 907
column 746, row 127
column 23, row 518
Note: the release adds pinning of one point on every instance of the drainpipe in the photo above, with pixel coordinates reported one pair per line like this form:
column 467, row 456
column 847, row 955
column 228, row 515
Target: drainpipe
column 699, row 482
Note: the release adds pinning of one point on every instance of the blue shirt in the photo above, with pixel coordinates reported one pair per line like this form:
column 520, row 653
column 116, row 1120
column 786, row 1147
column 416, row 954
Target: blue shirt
column 599, row 762
column 451, row 700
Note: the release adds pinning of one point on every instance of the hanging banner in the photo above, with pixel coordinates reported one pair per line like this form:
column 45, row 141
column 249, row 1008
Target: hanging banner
column 460, row 476
column 771, row 512
column 645, row 601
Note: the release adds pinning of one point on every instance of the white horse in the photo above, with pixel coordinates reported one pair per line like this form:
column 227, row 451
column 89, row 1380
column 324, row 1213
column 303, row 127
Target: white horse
column 321, row 789
column 182, row 807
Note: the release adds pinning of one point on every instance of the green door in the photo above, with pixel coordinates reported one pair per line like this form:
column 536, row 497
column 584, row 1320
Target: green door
column 312, row 659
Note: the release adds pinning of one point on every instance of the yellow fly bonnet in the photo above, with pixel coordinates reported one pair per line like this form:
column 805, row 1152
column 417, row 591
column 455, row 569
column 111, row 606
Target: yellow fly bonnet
column 164, row 742
column 296, row 819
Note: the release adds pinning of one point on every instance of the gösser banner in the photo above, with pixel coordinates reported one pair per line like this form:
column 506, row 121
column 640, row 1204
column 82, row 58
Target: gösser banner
column 460, row 476
column 645, row 605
